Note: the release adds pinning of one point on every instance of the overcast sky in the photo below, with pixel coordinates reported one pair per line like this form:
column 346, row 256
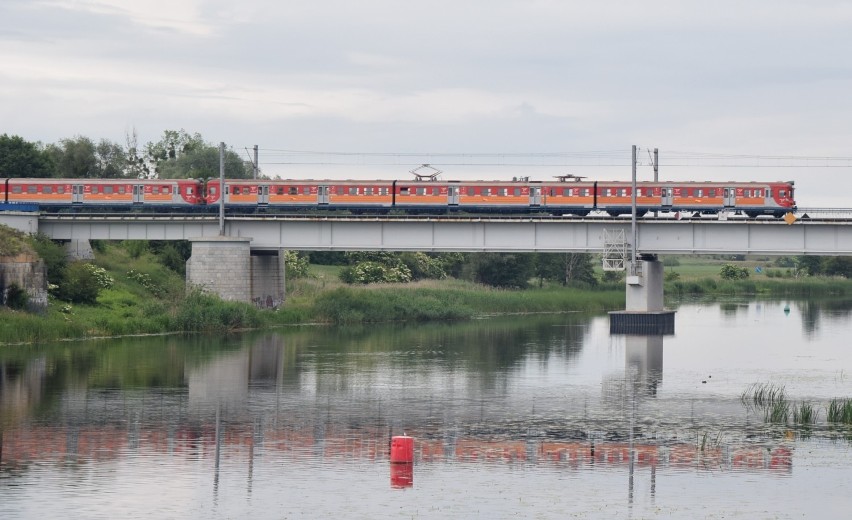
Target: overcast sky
column 726, row 77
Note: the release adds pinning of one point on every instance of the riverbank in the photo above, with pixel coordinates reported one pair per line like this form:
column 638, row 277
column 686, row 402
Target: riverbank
column 145, row 297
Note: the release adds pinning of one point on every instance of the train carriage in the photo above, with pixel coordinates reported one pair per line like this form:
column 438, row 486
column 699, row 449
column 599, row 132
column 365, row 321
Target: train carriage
column 103, row 193
column 291, row 194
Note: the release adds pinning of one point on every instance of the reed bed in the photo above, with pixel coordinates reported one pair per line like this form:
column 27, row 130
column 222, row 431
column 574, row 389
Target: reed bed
column 839, row 411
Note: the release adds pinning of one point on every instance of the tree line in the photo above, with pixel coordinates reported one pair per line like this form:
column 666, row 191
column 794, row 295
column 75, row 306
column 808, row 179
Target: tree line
column 178, row 154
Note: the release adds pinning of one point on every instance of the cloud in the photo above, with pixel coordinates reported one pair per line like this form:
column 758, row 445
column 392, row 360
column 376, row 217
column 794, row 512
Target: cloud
column 183, row 16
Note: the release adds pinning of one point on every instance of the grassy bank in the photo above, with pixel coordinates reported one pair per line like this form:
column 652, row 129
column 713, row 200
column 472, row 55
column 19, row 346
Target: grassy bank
column 769, row 287
column 145, row 297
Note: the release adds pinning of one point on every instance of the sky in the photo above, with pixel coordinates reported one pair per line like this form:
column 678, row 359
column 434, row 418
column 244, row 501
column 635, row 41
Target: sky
column 482, row 89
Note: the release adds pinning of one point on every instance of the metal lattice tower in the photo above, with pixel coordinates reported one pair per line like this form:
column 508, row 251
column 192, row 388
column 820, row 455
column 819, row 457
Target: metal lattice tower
column 615, row 250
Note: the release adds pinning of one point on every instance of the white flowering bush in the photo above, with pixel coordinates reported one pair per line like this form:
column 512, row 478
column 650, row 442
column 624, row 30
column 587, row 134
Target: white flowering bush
column 104, row 280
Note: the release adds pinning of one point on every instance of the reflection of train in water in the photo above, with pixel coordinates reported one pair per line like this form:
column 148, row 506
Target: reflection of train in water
column 565, row 196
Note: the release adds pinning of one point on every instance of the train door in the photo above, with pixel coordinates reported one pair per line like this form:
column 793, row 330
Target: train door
column 322, row 194
column 453, row 195
column 76, row 193
column 667, row 198
column 263, row 194
column 729, row 194
column 138, row 193
column 535, row 196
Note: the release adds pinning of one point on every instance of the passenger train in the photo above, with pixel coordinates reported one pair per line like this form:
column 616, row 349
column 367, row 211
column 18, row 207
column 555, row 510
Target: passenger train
column 559, row 197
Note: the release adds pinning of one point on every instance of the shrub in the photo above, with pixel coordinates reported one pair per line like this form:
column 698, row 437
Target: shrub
column 79, row 285
column 732, row 272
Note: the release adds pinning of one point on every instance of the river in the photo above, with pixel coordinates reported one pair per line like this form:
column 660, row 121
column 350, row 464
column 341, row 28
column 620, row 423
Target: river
column 543, row 416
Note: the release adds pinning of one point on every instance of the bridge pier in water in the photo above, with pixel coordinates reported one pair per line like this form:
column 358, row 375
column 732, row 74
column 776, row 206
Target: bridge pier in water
column 644, row 312
column 227, row 267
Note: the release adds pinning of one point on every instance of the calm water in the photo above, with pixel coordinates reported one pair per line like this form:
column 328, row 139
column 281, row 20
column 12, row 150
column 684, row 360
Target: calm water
column 520, row 417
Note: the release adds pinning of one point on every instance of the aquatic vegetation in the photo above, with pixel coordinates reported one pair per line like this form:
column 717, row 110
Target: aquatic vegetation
column 763, row 395
column 805, row 414
column 839, row 411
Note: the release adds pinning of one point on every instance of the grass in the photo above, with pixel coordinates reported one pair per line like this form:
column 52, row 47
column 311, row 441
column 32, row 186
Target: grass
column 451, row 300
column 763, row 395
column 805, row 414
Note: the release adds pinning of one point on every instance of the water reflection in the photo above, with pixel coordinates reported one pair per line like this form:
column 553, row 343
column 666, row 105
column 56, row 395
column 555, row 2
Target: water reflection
column 548, row 395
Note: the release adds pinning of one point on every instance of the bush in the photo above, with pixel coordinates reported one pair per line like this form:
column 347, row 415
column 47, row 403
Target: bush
column 732, row 272
column 80, row 284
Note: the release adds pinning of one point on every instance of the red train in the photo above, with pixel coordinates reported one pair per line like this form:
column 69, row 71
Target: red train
column 574, row 197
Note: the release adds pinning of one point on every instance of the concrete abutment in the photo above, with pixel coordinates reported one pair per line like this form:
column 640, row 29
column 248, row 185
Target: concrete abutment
column 227, row 267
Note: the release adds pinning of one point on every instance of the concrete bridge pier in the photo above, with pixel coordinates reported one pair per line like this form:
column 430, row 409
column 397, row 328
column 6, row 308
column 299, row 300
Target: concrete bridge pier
column 644, row 313
column 227, row 267
column 222, row 266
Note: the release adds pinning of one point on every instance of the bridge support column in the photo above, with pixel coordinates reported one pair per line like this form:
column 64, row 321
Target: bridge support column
column 267, row 278
column 79, row 249
column 222, row 266
column 644, row 312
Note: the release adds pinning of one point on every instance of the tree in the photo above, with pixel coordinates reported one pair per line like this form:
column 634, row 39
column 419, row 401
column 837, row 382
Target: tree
column 181, row 155
column 202, row 163
column 509, row 270
column 566, row 268
column 839, row 266
column 809, row 265
column 20, row 158
column 81, row 158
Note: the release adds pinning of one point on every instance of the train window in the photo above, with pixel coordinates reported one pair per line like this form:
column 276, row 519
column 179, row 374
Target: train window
column 353, row 190
column 245, row 190
column 122, row 190
column 306, row 190
column 470, row 192
column 486, row 191
column 227, row 190
column 699, row 192
column 434, row 191
column 155, row 190
column 31, row 189
column 502, row 192
column 368, row 191
column 403, row 191
column 46, row 189
column 166, row 190
column 292, row 190
column 94, row 189
column 60, row 189
column 279, row 190
column 383, row 191
column 16, row 189
column 108, row 190
column 782, row 193
column 758, row 193
column 711, row 192
column 517, row 191
column 421, row 191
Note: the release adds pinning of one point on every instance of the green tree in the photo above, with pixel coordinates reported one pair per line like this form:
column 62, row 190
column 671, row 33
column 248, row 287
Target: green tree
column 809, row 264
column 82, row 158
column 202, row 163
column 566, row 268
column 509, row 270
column 20, row 158
column 839, row 266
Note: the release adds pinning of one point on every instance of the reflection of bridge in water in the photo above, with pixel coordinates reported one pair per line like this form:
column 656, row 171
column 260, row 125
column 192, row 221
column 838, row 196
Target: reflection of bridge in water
column 260, row 400
column 24, row 446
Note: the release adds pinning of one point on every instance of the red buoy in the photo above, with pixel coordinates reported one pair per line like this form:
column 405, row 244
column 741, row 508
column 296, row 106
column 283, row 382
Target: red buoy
column 402, row 449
